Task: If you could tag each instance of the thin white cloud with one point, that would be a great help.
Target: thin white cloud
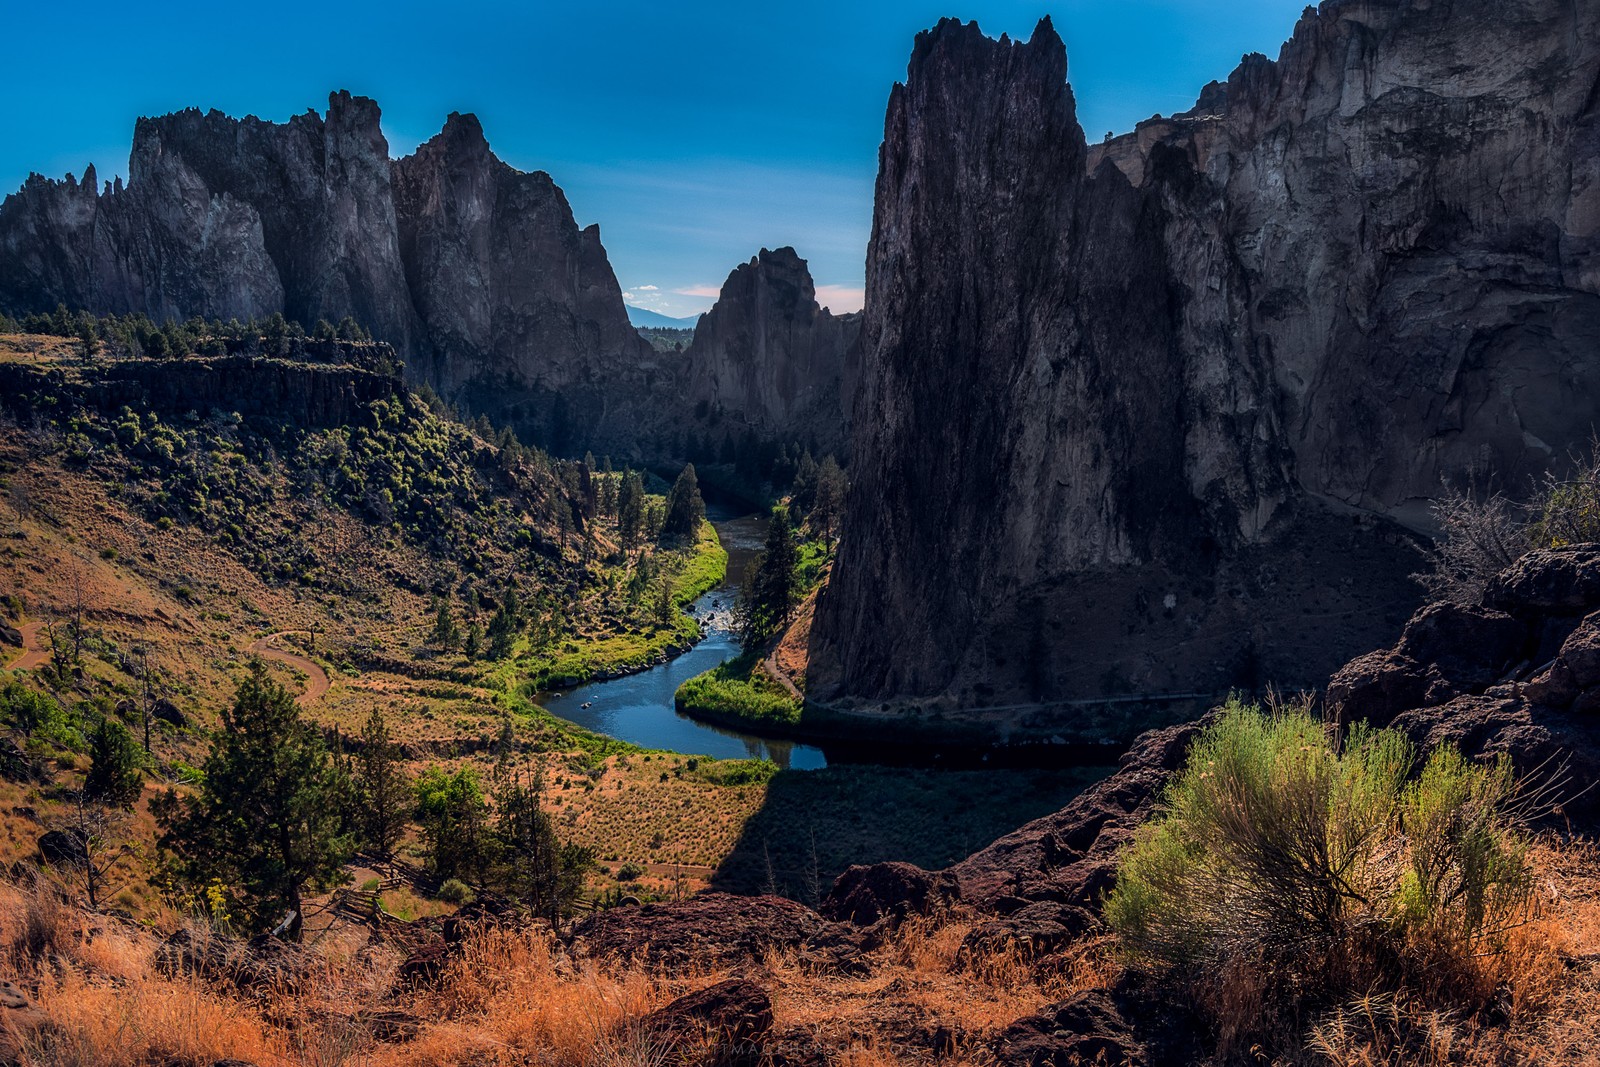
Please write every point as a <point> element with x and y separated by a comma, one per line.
<point>645,288</point>
<point>712,291</point>
<point>841,298</point>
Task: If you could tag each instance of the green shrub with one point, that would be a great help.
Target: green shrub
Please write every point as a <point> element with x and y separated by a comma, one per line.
<point>455,891</point>
<point>1329,869</point>
<point>630,872</point>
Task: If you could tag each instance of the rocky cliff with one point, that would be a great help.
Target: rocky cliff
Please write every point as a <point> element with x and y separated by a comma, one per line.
<point>1148,417</point>
<point>477,273</point>
<point>773,359</point>
<point>519,306</point>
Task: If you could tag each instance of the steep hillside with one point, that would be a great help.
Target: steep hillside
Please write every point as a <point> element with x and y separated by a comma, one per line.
<point>1142,418</point>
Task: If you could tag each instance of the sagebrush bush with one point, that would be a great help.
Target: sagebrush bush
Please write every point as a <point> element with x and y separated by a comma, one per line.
<point>1325,866</point>
<point>455,891</point>
<point>1481,532</point>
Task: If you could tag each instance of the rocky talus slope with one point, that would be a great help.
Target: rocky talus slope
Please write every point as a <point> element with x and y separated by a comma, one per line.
<point>1153,416</point>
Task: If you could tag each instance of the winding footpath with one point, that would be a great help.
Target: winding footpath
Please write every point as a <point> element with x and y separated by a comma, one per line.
<point>316,677</point>
<point>33,657</point>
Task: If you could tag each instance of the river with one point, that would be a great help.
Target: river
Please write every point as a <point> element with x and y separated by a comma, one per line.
<point>639,708</point>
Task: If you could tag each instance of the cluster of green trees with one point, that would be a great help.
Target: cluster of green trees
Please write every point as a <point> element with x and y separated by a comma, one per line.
<point>278,813</point>
<point>541,618</point>
<point>817,496</point>
<point>139,335</point>
<point>396,465</point>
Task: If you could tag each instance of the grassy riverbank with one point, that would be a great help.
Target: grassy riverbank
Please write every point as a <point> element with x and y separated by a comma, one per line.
<point>623,648</point>
<point>739,691</point>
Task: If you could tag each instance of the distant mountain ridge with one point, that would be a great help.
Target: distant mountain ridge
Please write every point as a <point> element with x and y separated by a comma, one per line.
<point>645,317</point>
<point>477,274</point>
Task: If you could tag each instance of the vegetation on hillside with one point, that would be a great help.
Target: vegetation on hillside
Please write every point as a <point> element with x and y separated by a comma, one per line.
<point>789,568</point>
<point>740,690</point>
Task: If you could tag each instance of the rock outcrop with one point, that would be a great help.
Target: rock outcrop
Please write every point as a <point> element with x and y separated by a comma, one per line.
<point>768,357</point>
<point>519,307</point>
<point>306,392</point>
<point>710,927</point>
<point>1151,416</point>
<point>1517,675</point>
<point>475,272</point>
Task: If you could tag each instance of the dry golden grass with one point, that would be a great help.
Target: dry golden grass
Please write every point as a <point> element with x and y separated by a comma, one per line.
<point>516,998</point>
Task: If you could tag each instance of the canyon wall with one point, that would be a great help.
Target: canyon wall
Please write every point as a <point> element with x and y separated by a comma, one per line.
<point>1152,416</point>
<point>768,357</point>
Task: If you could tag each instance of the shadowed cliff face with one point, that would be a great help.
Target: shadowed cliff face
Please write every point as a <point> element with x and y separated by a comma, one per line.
<point>1112,397</point>
<point>771,356</point>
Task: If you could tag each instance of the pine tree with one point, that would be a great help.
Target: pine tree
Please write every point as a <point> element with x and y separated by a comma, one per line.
<point>685,509</point>
<point>114,777</point>
<point>265,821</point>
<point>803,497</point>
<point>531,863</point>
<point>382,792</point>
<point>828,498</point>
<point>766,599</point>
<point>453,814</point>
<point>630,509</point>
<point>445,634</point>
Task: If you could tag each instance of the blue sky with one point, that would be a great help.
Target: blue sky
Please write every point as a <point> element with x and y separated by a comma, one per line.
<point>694,133</point>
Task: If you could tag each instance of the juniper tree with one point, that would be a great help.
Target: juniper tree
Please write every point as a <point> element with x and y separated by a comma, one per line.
<point>114,777</point>
<point>445,634</point>
<point>265,821</point>
<point>453,814</point>
<point>382,793</point>
<point>630,509</point>
<point>766,599</point>
<point>685,509</point>
<point>531,862</point>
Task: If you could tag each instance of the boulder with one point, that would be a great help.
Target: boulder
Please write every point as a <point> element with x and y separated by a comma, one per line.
<point>168,712</point>
<point>723,1024</point>
<point>1068,859</point>
<point>1036,930</point>
<point>1470,646</point>
<point>1555,581</point>
<point>1087,1028</point>
<point>65,847</point>
<point>709,929</point>
<point>10,635</point>
<point>424,965</point>
<point>865,894</point>
<point>1517,675</point>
